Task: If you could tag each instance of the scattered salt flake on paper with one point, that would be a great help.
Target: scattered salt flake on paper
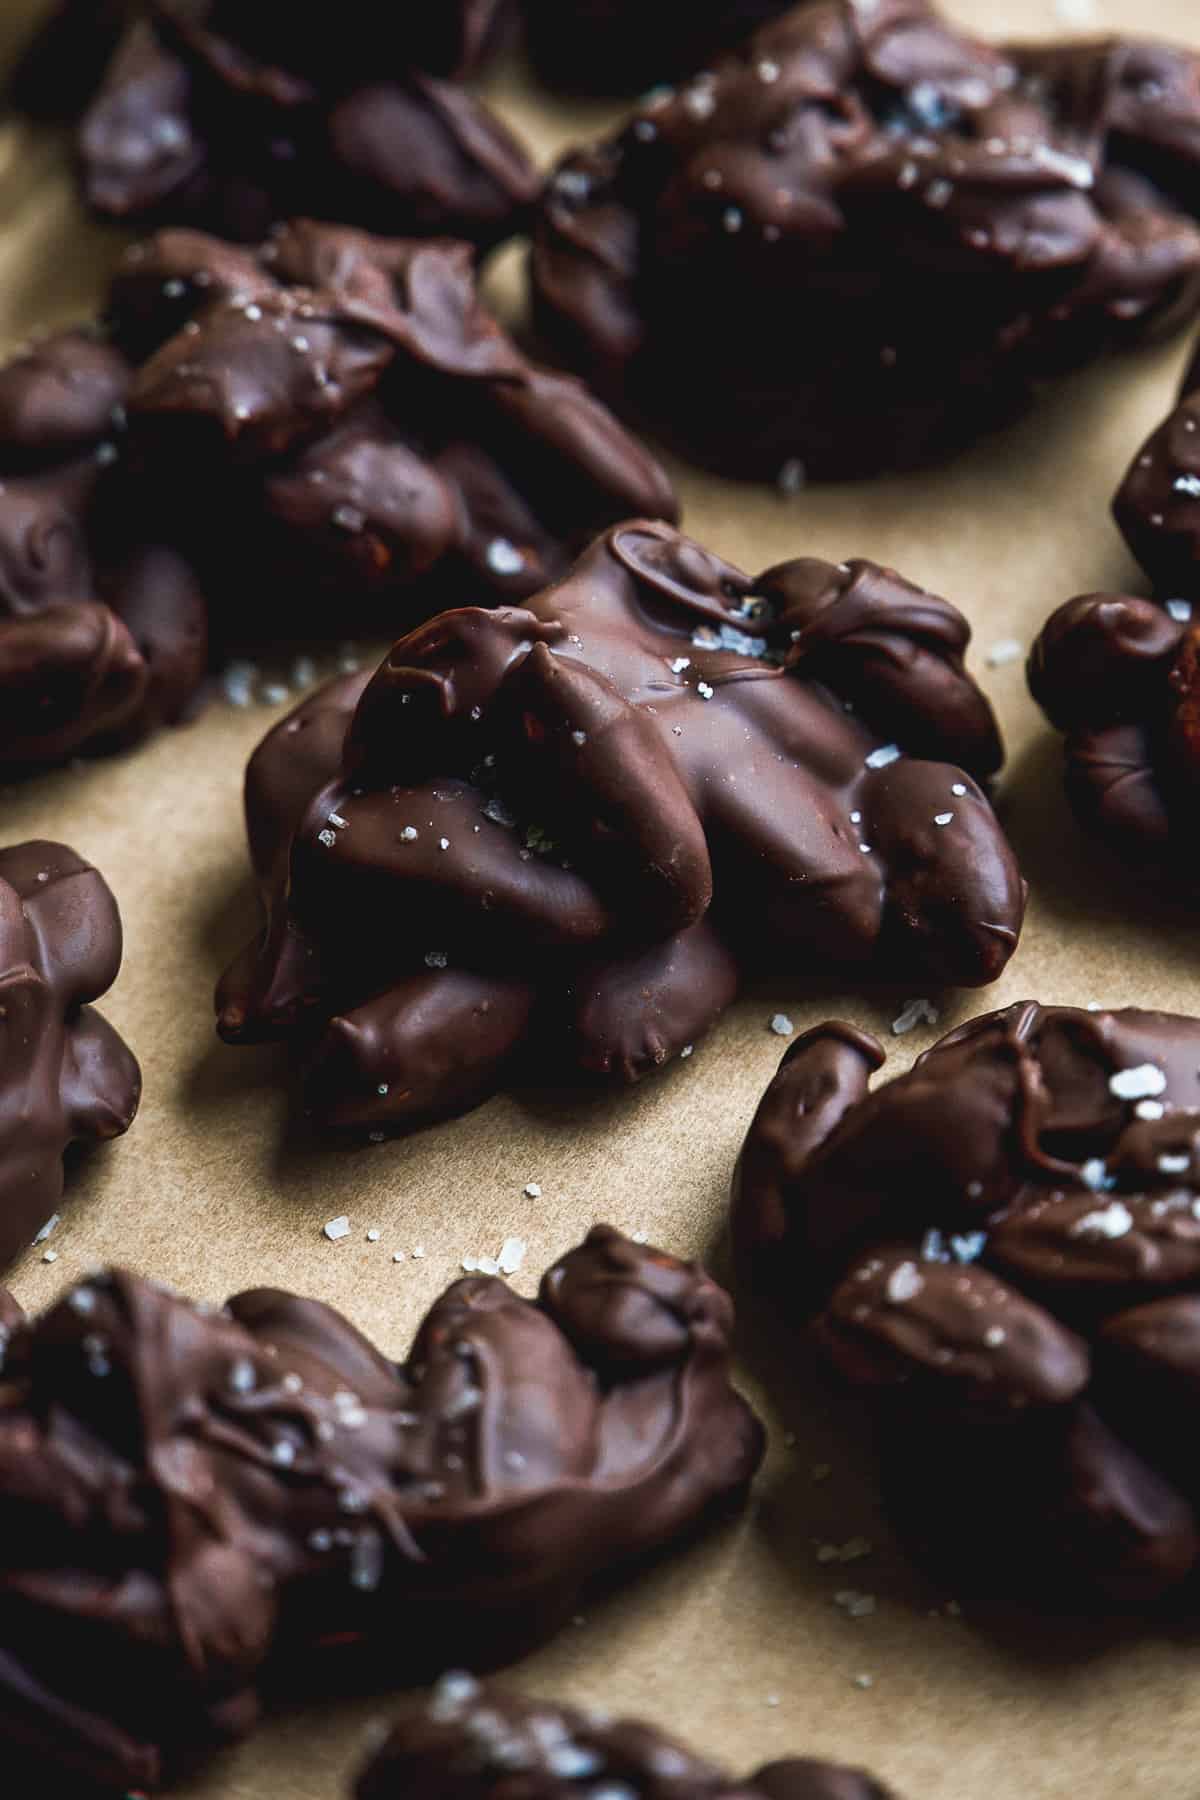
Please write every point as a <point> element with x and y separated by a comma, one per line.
<point>864,1681</point>
<point>50,1256</point>
<point>47,1228</point>
<point>914,1013</point>
<point>639,1237</point>
<point>781,1025</point>
<point>398,1256</point>
<point>1005,650</point>
<point>512,1255</point>
<point>372,1236</point>
<point>532,1191</point>
<point>337,1228</point>
<point>854,1604</point>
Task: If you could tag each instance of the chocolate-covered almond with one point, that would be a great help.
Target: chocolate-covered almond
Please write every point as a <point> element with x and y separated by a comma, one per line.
<point>1001,1247</point>
<point>365,432</point>
<point>65,1075</point>
<point>203,1499</point>
<point>593,812</point>
<point>901,229</point>
<point>232,116</point>
<point>471,1741</point>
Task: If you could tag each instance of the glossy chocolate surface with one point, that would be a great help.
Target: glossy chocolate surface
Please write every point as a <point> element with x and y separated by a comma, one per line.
<point>1002,1249</point>
<point>593,812</point>
<point>310,439</point>
<point>468,1741</point>
<point>229,116</point>
<point>200,1502</point>
<point>65,1075</point>
<point>896,230</point>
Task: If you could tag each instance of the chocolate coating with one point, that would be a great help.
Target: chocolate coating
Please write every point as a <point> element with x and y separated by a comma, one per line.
<point>200,1501</point>
<point>1001,1248</point>
<point>897,231</point>
<point>65,1076</point>
<point>362,429</point>
<point>189,115</point>
<point>1118,676</point>
<point>594,811</point>
<point>469,1741</point>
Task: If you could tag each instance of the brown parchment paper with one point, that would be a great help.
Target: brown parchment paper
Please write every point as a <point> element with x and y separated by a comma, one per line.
<point>737,1642</point>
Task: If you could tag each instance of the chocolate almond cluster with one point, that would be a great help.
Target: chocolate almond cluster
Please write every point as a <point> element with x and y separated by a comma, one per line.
<point>1120,677</point>
<point>295,441</point>
<point>896,230</point>
<point>230,115</point>
<point>561,831</point>
<point>470,1741</point>
<point>199,1502</point>
<point>65,1075</point>
<point>1002,1248</point>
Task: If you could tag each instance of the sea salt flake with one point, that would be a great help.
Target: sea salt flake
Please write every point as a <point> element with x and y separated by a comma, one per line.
<point>968,1246</point>
<point>781,1025</point>
<point>792,477</point>
<point>994,1336</point>
<point>1005,650</point>
<point>503,557</point>
<point>1188,485</point>
<point>337,1228</point>
<point>856,1605</point>
<point>47,1228</point>
<point>1137,1083</point>
<point>886,753</point>
<point>904,1283</point>
<point>512,1255</point>
<point>1174,1165</point>
<point>1112,1221</point>
<point>942,818</point>
<point>1149,1109</point>
<point>680,664</point>
<point>1180,610</point>
<point>532,1191</point>
<point>914,1013</point>
<point>704,690</point>
<point>436,959</point>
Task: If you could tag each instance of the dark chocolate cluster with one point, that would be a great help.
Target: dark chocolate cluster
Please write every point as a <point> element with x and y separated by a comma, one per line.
<point>1002,1247</point>
<point>65,1076</point>
<point>199,1502</point>
<point>1120,677</point>
<point>232,114</point>
<point>297,441</point>
<point>563,830</point>
<point>468,1741</point>
<point>859,239</point>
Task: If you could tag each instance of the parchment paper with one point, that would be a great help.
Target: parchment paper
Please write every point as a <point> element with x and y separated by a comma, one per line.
<point>736,1643</point>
